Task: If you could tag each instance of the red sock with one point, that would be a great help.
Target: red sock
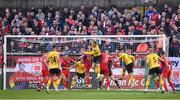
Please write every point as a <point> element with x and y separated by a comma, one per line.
<point>108,83</point>
<point>157,84</point>
<point>165,87</point>
<point>39,86</point>
<point>88,80</point>
<point>172,85</point>
<point>45,80</point>
<point>65,84</point>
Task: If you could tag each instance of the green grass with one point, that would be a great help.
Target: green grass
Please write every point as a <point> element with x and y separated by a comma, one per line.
<point>85,94</point>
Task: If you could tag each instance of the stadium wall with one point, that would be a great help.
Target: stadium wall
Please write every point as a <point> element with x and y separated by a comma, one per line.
<point>77,3</point>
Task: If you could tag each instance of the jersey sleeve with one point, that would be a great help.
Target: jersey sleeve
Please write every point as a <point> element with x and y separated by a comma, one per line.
<point>89,52</point>
<point>133,58</point>
<point>121,55</point>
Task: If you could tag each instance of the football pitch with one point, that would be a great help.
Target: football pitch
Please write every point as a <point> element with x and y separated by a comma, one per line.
<point>86,94</point>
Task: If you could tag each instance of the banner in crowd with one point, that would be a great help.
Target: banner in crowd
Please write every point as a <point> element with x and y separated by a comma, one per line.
<point>27,73</point>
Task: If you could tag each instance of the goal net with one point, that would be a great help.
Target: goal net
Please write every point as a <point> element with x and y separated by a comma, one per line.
<point>23,54</point>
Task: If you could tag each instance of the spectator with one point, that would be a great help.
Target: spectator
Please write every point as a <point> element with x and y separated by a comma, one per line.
<point>95,21</point>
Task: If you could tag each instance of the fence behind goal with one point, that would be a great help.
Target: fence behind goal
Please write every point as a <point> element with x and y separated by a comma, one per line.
<point>22,57</point>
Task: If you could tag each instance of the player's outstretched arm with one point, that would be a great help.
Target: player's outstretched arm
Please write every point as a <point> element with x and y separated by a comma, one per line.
<point>88,52</point>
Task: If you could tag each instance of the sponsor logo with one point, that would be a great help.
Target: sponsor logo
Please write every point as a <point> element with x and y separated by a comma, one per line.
<point>175,63</point>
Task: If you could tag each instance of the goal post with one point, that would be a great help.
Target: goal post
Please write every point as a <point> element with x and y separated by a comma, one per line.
<point>29,49</point>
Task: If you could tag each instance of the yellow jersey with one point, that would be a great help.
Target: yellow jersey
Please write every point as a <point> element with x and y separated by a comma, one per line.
<point>153,60</point>
<point>95,51</point>
<point>53,59</point>
<point>132,58</point>
<point>80,68</point>
<point>126,58</point>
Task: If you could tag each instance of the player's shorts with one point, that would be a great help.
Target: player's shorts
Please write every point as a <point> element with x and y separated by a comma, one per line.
<point>45,73</point>
<point>97,59</point>
<point>129,68</point>
<point>54,71</point>
<point>105,71</point>
<point>153,71</point>
<point>81,75</point>
<point>87,69</point>
<point>166,74</point>
<point>66,73</point>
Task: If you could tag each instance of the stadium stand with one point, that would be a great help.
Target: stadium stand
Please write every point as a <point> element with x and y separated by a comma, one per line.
<point>51,21</point>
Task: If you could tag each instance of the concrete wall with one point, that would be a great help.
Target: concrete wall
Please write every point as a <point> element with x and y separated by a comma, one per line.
<point>77,3</point>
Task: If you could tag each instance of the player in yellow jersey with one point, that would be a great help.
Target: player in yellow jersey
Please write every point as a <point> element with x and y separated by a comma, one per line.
<point>153,61</point>
<point>80,71</point>
<point>96,54</point>
<point>129,61</point>
<point>54,70</point>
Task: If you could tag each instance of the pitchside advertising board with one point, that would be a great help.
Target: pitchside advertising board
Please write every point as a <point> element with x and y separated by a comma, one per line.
<point>27,74</point>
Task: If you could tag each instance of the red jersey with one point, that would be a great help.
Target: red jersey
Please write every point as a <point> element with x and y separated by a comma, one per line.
<point>155,17</point>
<point>116,60</point>
<point>66,63</point>
<point>87,61</point>
<point>43,60</point>
<point>165,64</point>
<point>105,61</point>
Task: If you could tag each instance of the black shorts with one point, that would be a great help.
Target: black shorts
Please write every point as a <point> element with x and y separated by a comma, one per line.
<point>80,75</point>
<point>129,68</point>
<point>54,71</point>
<point>153,71</point>
<point>97,59</point>
<point>109,67</point>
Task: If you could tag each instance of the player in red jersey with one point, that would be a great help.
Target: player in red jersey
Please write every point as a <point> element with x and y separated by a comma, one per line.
<point>87,64</point>
<point>104,69</point>
<point>45,71</point>
<point>106,66</point>
<point>66,64</point>
<point>166,67</point>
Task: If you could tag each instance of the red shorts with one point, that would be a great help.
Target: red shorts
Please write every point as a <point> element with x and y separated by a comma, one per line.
<point>87,69</point>
<point>45,71</point>
<point>104,71</point>
<point>166,74</point>
<point>66,73</point>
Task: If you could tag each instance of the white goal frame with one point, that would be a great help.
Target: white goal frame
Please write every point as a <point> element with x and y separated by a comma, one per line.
<point>66,36</point>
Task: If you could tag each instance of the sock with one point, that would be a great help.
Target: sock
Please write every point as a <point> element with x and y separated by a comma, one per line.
<point>162,84</point>
<point>98,70</point>
<point>172,85</point>
<point>165,87</point>
<point>100,83</point>
<point>39,86</point>
<point>123,72</point>
<point>147,84</point>
<point>115,81</point>
<point>73,83</point>
<point>157,84</point>
<point>108,83</point>
<point>131,80</point>
<point>48,83</point>
<point>45,80</point>
<point>56,84</point>
<point>65,84</point>
<point>88,81</point>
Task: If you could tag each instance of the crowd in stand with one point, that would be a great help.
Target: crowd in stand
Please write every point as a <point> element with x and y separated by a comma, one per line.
<point>96,21</point>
